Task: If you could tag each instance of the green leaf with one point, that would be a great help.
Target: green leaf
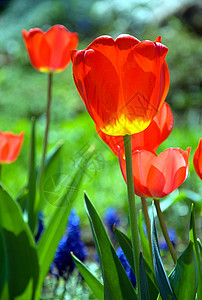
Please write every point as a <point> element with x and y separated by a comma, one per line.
<point>53,161</point>
<point>32,213</point>
<point>19,269</point>
<point>163,282</point>
<point>199,290</point>
<point>126,246</point>
<point>197,251</point>
<point>117,285</point>
<point>184,277</point>
<point>51,172</point>
<point>144,241</point>
<point>97,248</point>
<point>22,197</point>
<point>58,220</point>
<point>200,247</point>
<point>143,280</point>
<point>95,285</point>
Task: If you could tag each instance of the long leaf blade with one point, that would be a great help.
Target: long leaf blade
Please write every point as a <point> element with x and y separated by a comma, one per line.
<point>126,246</point>
<point>197,250</point>
<point>95,285</point>
<point>58,220</point>
<point>19,269</point>
<point>32,214</point>
<point>144,241</point>
<point>163,282</point>
<point>143,280</point>
<point>52,169</point>
<point>117,285</point>
<point>184,277</point>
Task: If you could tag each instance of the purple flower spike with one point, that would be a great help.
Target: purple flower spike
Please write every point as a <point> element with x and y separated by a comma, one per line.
<point>126,266</point>
<point>172,236</point>
<point>70,242</point>
<point>111,217</point>
<point>40,226</point>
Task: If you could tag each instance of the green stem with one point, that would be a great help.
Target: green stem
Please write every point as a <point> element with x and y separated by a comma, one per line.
<point>50,76</point>
<point>132,208</point>
<point>164,230</point>
<point>147,222</point>
<point>0,171</point>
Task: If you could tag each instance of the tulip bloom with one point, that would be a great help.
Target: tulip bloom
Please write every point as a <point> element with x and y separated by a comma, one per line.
<point>122,82</point>
<point>50,51</point>
<point>198,159</point>
<point>149,139</point>
<point>157,176</point>
<point>10,146</point>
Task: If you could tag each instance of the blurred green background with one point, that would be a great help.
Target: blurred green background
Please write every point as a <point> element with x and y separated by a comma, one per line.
<point>23,90</point>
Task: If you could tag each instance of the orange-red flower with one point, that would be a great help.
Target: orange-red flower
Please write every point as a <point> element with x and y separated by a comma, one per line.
<point>198,159</point>
<point>122,82</point>
<point>157,176</point>
<point>10,146</point>
<point>50,51</point>
<point>149,139</point>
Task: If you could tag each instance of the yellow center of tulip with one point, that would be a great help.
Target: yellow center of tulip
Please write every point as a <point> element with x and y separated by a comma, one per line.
<point>123,126</point>
<point>47,70</point>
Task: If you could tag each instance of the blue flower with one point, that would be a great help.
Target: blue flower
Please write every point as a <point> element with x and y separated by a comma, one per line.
<point>126,266</point>
<point>172,236</point>
<point>40,226</point>
<point>70,242</point>
<point>111,217</point>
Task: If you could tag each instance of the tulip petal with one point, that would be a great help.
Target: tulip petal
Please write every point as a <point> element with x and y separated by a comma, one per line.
<point>10,146</point>
<point>92,66</point>
<point>45,55</point>
<point>72,44</point>
<point>120,82</point>
<point>141,161</point>
<point>197,160</point>
<point>164,119</point>
<point>116,143</point>
<point>167,172</point>
<point>149,139</point>
<point>164,84</point>
<point>157,176</point>
<point>156,182</point>
<point>50,51</point>
<point>33,40</point>
<point>144,94</point>
<point>60,41</point>
<point>55,39</point>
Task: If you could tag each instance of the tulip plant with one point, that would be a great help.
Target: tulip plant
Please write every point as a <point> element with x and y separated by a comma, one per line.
<point>123,84</point>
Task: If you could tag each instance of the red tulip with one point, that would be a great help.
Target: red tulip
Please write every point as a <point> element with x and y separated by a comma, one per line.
<point>157,176</point>
<point>198,159</point>
<point>149,139</point>
<point>10,146</point>
<point>50,51</point>
<point>122,82</point>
